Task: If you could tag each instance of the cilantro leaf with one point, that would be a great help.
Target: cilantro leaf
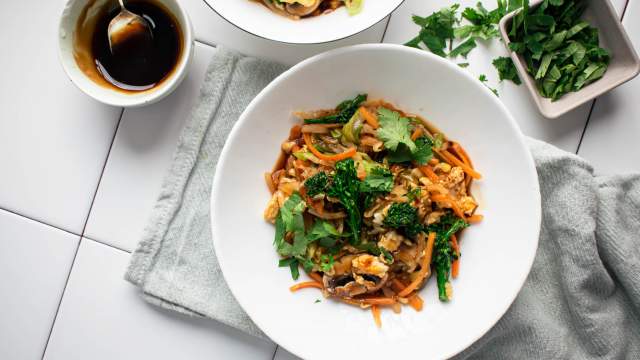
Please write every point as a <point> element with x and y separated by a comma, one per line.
<point>506,69</point>
<point>464,48</point>
<point>394,130</point>
<point>423,152</point>
<point>292,263</point>
<point>290,220</point>
<point>436,30</point>
<point>379,180</point>
<point>483,80</point>
<point>323,229</point>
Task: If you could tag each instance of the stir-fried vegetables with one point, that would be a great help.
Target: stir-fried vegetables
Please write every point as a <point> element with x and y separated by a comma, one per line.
<point>368,201</point>
<point>297,9</point>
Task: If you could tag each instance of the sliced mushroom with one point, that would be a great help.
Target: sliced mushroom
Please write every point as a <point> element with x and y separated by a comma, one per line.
<point>297,9</point>
<point>348,285</point>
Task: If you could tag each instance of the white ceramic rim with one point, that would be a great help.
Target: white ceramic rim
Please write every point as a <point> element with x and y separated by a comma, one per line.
<point>356,31</point>
<point>243,118</point>
<point>114,97</point>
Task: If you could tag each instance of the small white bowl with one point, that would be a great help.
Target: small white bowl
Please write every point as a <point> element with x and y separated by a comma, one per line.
<point>257,19</point>
<point>110,95</point>
<point>454,101</point>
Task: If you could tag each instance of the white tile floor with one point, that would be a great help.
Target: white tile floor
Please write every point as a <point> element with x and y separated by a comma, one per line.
<point>74,168</point>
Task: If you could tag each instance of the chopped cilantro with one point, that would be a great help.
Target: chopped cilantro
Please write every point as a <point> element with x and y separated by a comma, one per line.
<point>394,130</point>
<point>483,80</point>
<point>435,30</point>
<point>379,180</point>
<point>506,69</point>
<point>290,220</point>
<point>464,48</point>
<point>561,51</point>
<point>317,301</point>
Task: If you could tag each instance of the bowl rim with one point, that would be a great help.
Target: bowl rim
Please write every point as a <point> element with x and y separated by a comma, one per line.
<point>224,154</point>
<point>304,43</point>
<point>146,97</point>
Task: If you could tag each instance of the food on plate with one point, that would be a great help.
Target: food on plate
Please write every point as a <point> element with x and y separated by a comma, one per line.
<point>370,201</point>
<point>296,9</point>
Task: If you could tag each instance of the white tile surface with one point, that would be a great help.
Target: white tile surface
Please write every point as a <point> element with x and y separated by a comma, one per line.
<point>103,317</point>
<point>564,132</point>
<point>53,139</point>
<point>35,260</point>
<point>614,127</point>
<point>211,28</point>
<point>139,159</point>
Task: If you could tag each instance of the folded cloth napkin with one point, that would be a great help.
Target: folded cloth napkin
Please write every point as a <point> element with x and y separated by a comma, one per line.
<point>581,299</point>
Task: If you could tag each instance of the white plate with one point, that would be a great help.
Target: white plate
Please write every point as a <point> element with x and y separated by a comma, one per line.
<point>496,254</point>
<point>258,20</point>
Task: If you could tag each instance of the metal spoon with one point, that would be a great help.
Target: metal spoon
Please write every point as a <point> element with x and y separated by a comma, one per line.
<point>126,27</point>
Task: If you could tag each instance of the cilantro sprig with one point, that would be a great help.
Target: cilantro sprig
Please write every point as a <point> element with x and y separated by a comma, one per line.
<point>394,132</point>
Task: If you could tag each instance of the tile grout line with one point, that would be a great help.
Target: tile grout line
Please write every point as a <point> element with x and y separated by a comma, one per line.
<point>586,125</point>
<point>66,283</point>
<point>108,245</point>
<point>275,352</point>
<point>593,103</point>
<point>38,221</point>
<point>384,33</point>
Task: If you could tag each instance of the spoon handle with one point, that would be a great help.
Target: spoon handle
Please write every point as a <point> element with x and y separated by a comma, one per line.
<point>121,4</point>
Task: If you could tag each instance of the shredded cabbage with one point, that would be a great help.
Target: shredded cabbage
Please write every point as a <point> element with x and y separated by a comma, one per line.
<point>353,6</point>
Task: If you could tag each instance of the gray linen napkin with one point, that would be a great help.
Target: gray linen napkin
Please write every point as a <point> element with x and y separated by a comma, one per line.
<point>581,300</point>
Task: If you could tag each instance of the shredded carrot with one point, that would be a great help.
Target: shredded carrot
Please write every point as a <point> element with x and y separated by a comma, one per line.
<point>376,315</point>
<point>428,172</point>
<point>397,285</point>
<point>455,266</point>
<point>306,284</point>
<point>416,134</point>
<point>377,301</point>
<point>336,157</point>
<point>315,276</point>
<point>474,219</point>
<point>434,161</point>
<point>452,203</point>
<point>416,302</point>
<point>457,162</point>
<point>463,154</point>
<point>370,118</point>
<point>295,132</point>
<point>424,267</point>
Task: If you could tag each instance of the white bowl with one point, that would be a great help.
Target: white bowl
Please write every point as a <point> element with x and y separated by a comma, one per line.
<point>256,19</point>
<point>110,95</point>
<point>497,254</point>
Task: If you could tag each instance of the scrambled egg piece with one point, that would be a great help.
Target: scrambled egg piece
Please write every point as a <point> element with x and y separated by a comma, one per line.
<point>369,264</point>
